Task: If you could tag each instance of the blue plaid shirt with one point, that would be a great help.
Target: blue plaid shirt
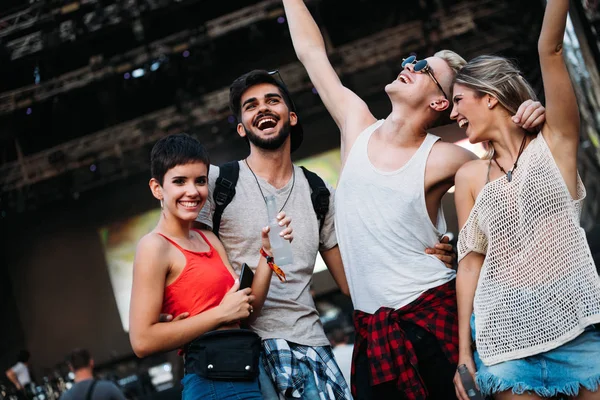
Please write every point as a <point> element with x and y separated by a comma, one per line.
<point>281,360</point>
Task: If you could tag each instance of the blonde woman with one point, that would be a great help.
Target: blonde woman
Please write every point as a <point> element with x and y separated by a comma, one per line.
<point>528,291</point>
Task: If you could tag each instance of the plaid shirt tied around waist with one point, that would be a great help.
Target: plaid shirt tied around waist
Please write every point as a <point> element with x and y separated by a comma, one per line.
<point>281,360</point>
<point>391,355</point>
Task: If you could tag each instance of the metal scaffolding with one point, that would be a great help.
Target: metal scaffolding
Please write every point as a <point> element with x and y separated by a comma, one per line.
<point>26,96</point>
<point>121,145</point>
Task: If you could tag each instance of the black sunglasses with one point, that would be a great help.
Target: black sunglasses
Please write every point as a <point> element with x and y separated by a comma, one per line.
<point>422,66</point>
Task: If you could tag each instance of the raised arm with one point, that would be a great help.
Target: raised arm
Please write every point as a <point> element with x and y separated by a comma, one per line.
<point>350,113</point>
<point>146,333</point>
<point>562,116</point>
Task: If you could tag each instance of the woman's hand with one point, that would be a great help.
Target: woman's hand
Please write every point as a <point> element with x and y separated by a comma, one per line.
<point>284,220</point>
<point>237,304</point>
<point>466,359</point>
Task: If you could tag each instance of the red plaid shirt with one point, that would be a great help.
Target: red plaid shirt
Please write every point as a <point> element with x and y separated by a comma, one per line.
<point>391,355</point>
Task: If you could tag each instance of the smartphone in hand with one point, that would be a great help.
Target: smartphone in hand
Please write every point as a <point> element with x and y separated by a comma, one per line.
<point>246,277</point>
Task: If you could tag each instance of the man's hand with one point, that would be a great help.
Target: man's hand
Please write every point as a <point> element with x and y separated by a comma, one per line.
<point>288,232</point>
<point>531,115</point>
<point>444,252</point>
<point>169,317</point>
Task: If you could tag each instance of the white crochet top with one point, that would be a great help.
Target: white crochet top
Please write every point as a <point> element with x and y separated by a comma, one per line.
<point>538,286</point>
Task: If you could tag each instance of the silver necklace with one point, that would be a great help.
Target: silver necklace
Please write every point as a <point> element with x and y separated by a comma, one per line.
<point>261,192</point>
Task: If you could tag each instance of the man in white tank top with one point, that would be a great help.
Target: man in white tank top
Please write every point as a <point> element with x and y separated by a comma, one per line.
<point>388,211</point>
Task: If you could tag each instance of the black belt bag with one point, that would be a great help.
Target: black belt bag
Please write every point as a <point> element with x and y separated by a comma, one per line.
<point>231,354</point>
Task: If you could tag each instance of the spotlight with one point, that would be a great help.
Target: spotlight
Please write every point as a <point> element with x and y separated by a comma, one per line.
<point>231,119</point>
<point>93,167</point>
<point>36,75</point>
<point>281,20</point>
<point>138,73</point>
<point>186,53</point>
<point>155,65</point>
<point>29,111</point>
<point>126,75</point>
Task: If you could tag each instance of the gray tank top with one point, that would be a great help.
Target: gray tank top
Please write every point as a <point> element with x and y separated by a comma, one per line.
<point>383,229</point>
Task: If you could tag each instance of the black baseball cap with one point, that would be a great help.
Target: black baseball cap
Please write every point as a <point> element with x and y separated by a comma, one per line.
<point>258,76</point>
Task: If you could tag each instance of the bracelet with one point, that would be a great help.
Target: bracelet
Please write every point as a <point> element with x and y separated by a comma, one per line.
<point>271,263</point>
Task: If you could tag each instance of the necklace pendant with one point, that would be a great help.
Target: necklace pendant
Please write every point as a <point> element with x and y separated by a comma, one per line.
<point>509,176</point>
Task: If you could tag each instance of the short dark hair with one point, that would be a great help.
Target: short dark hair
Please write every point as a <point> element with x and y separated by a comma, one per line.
<point>246,81</point>
<point>79,358</point>
<point>23,356</point>
<point>174,150</point>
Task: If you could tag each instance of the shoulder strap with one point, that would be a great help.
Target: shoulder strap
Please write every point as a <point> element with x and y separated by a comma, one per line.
<point>224,191</point>
<point>90,390</point>
<point>319,195</point>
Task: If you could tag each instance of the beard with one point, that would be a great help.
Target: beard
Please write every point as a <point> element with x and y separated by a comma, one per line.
<point>272,143</point>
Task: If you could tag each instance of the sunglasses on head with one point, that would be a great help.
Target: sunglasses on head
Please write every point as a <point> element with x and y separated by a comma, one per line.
<point>422,66</point>
<point>277,76</point>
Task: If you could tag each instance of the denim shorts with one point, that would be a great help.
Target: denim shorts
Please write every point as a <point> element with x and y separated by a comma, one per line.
<point>198,388</point>
<point>560,371</point>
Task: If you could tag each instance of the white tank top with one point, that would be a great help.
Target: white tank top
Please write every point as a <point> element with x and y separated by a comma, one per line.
<point>383,229</point>
<point>538,287</point>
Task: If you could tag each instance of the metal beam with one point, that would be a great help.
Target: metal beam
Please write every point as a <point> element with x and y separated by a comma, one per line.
<point>23,97</point>
<point>364,53</point>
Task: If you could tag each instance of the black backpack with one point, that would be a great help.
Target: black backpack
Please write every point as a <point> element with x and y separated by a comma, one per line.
<point>225,190</point>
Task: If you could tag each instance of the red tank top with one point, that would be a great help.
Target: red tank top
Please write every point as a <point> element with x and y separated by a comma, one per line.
<point>201,285</point>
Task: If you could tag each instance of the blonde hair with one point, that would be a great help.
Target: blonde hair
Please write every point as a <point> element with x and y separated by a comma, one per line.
<point>455,62</point>
<point>499,78</point>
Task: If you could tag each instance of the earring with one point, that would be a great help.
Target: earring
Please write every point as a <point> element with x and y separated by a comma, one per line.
<point>162,204</point>
<point>489,105</point>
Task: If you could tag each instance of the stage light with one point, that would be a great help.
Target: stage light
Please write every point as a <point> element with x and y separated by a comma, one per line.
<point>186,53</point>
<point>138,73</point>
<point>126,75</point>
<point>36,75</point>
<point>314,90</point>
<point>281,20</point>
<point>231,119</point>
<point>155,65</point>
<point>29,111</point>
<point>93,167</point>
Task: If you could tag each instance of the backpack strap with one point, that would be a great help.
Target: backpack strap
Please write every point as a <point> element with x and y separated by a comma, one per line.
<point>319,195</point>
<point>224,191</point>
<point>90,390</point>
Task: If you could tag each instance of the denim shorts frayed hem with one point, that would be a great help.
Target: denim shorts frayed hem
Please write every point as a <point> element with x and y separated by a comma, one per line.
<point>560,371</point>
<point>490,384</point>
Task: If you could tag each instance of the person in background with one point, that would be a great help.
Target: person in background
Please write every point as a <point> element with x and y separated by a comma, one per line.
<point>342,350</point>
<point>86,387</point>
<point>18,374</point>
